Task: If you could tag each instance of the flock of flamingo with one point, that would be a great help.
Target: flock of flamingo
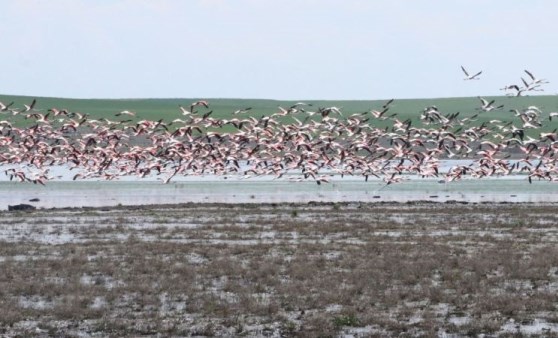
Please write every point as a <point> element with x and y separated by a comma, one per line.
<point>296,143</point>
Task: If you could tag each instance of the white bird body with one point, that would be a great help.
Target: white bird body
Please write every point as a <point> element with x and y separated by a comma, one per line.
<point>470,77</point>
<point>534,79</point>
<point>488,106</point>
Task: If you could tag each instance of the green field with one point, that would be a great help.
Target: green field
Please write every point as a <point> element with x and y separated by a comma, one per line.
<point>167,109</point>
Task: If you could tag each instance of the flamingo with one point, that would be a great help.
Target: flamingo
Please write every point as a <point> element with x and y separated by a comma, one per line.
<point>470,77</point>
<point>534,79</point>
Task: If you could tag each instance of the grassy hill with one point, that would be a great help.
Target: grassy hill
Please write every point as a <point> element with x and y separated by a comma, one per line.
<point>155,109</point>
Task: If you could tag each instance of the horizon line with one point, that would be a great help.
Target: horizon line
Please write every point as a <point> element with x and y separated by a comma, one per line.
<point>263,99</point>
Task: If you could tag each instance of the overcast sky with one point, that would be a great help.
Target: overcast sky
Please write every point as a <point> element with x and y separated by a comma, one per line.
<point>278,49</point>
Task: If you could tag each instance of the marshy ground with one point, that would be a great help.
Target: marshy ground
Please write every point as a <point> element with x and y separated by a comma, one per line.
<point>307,270</point>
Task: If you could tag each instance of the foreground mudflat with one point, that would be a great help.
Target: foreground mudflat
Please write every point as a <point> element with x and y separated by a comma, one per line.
<point>281,270</point>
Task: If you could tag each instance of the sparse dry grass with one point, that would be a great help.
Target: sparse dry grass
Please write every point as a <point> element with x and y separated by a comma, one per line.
<point>280,270</point>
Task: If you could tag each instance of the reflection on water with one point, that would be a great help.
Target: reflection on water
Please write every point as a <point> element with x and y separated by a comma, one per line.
<point>267,190</point>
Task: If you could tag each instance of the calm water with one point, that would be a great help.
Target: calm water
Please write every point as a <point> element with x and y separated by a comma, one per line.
<point>267,190</point>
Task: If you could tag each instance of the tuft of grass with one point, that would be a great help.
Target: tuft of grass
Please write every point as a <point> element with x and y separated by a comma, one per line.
<point>346,320</point>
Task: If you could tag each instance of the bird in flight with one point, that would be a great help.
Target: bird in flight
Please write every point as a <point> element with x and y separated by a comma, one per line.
<point>488,106</point>
<point>534,79</point>
<point>470,77</point>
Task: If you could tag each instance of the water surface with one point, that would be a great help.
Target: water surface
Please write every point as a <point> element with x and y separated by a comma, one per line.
<point>269,190</point>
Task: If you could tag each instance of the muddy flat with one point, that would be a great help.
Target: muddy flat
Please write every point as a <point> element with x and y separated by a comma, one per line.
<point>281,270</point>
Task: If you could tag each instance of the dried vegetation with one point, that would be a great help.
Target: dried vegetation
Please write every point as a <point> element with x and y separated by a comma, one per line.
<point>315,270</point>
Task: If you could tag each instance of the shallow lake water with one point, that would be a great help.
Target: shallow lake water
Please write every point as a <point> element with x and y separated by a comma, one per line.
<point>62,193</point>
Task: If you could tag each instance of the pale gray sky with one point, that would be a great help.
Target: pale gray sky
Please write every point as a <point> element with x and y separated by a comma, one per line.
<point>279,49</point>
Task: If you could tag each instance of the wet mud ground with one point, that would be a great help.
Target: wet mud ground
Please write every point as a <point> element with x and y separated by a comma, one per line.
<point>281,270</point>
